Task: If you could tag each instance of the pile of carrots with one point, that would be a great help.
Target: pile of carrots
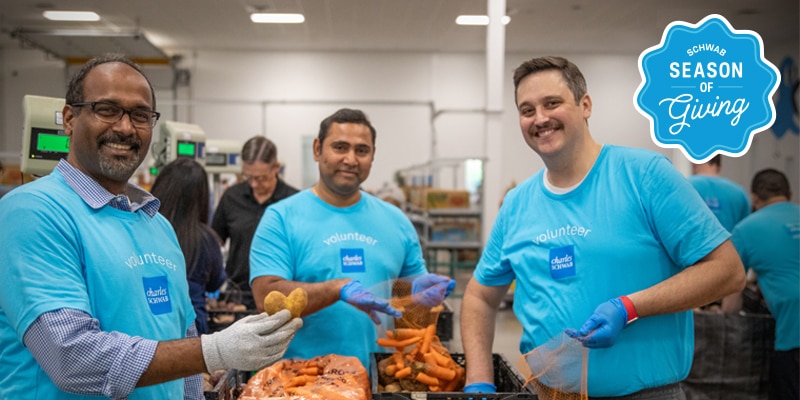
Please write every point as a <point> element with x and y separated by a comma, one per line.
<point>419,356</point>
<point>330,377</point>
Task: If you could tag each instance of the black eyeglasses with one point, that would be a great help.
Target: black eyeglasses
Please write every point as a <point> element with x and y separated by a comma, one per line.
<point>111,113</point>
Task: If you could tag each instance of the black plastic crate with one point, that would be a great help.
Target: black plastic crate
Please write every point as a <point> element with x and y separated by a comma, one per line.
<point>229,387</point>
<point>444,325</point>
<point>510,384</point>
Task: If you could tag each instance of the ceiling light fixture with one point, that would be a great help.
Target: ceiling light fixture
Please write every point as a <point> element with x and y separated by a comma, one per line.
<point>276,18</point>
<point>478,20</point>
<point>71,15</point>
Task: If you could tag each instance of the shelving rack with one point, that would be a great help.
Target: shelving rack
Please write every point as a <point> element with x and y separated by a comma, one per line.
<point>448,249</point>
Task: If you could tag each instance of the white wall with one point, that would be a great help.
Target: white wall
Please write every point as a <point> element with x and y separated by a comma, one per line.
<point>24,72</point>
<point>284,95</point>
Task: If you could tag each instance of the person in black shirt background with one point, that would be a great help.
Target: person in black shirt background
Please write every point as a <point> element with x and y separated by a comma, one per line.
<point>242,205</point>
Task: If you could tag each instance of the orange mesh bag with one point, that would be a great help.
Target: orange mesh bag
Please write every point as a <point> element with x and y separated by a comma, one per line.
<point>419,362</point>
<point>557,370</point>
<point>330,377</point>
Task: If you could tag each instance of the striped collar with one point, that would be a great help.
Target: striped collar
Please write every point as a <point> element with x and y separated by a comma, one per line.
<point>97,196</point>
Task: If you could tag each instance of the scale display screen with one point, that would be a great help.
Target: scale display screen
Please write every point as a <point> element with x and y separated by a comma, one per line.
<point>216,159</point>
<point>186,148</point>
<point>48,144</point>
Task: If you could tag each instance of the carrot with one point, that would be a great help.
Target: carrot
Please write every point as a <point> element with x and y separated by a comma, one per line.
<point>405,333</point>
<point>441,359</point>
<point>309,371</point>
<point>390,334</point>
<point>451,385</point>
<point>436,345</point>
<point>402,373</point>
<point>438,372</point>
<point>398,360</point>
<point>386,342</point>
<point>390,369</point>
<point>300,380</point>
<point>434,388</point>
<point>430,332</point>
<point>426,379</point>
<point>430,358</point>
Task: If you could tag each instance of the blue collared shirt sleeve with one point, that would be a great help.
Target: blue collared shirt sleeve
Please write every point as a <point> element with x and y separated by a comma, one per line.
<point>80,358</point>
<point>193,385</point>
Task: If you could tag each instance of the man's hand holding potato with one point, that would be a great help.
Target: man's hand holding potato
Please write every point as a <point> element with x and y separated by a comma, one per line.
<point>251,343</point>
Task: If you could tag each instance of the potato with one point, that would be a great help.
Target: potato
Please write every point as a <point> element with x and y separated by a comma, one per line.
<point>295,303</point>
<point>274,302</point>
<point>393,387</point>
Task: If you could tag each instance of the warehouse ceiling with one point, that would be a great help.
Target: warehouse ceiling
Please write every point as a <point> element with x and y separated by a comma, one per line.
<point>156,29</point>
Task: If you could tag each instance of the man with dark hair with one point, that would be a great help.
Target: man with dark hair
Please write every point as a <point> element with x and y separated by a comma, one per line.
<point>337,241</point>
<point>727,200</point>
<point>95,299</point>
<point>768,241</point>
<point>242,205</point>
<point>603,236</point>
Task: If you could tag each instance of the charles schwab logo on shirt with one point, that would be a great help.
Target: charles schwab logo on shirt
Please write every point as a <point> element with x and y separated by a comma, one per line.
<point>706,88</point>
<point>352,260</point>
<point>562,262</point>
<point>156,291</point>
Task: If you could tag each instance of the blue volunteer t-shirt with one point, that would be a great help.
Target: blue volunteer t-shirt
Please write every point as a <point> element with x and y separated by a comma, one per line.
<point>633,222</point>
<point>304,239</point>
<point>768,241</point>
<point>125,269</point>
<point>726,199</point>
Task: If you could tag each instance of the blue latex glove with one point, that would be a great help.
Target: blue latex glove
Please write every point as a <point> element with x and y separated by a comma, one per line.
<point>361,298</point>
<point>430,290</point>
<point>602,328</point>
<point>480,387</point>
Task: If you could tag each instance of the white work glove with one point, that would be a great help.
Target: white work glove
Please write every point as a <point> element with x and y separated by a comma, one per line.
<point>251,343</point>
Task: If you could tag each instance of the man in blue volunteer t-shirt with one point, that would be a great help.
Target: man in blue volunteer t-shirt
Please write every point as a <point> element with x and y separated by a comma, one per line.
<point>727,200</point>
<point>343,245</point>
<point>603,236</point>
<point>95,299</point>
<point>768,242</point>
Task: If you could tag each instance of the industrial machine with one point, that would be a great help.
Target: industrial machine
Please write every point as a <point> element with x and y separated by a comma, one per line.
<point>44,142</point>
<point>223,164</point>
<point>223,156</point>
<point>178,139</point>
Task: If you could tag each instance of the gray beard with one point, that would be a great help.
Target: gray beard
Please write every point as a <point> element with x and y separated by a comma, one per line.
<point>120,170</point>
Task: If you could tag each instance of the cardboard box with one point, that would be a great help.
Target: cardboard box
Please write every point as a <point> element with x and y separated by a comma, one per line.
<point>442,198</point>
<point>453,231</point>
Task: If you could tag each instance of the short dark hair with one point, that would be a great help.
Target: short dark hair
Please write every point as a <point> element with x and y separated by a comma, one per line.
<point>569,71</point>
<point>259,148</point>
<point>769,183</point>
<point>75,88</point>
<point>344,116</point>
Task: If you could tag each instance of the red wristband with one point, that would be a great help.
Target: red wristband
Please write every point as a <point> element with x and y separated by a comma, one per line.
<point>630,309</point>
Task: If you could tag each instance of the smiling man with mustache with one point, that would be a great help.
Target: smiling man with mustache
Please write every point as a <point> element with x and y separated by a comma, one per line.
<point>602,236</point>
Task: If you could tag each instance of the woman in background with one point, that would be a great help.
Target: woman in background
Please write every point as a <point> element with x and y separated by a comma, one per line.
<point>182,187</point>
